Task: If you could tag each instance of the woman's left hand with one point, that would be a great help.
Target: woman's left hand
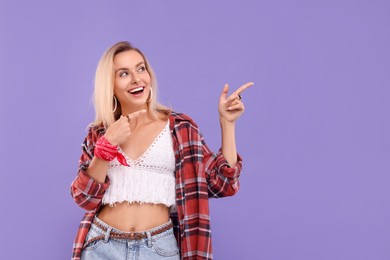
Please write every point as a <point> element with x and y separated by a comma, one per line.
<point>231,107</point>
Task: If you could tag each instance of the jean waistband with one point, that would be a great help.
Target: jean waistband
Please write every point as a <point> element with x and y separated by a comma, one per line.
<point>119,234</point>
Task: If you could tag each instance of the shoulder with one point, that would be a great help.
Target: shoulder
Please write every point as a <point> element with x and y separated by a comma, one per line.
<point>95,131</point>
<point>180,118</point>
<point>185,127</point>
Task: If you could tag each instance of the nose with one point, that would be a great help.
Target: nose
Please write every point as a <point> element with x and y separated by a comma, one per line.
<point>135,79</point>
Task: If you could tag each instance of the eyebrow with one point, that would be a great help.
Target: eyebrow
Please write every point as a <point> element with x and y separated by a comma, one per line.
<point>139,63</point>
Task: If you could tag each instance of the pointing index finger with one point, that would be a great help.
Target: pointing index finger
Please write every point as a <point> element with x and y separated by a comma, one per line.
<point>136,114</point>
<point>235,94</point>
<point>243,87</point>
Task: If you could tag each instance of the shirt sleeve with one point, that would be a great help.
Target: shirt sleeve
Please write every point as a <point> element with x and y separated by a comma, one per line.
<point>86,192</point>
<point>222,179</point>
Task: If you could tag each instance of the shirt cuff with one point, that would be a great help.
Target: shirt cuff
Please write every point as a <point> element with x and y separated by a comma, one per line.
<point>224,167</point>
<point>89,186</point>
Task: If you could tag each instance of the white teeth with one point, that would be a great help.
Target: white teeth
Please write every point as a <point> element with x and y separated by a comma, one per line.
<point>136,89</point>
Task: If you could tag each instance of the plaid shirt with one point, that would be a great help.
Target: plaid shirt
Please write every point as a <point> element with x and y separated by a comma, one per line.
<point>200,174</point>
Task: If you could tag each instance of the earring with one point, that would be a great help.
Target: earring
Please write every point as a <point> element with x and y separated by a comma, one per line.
<point>116,105</point>
<point>150,95</point>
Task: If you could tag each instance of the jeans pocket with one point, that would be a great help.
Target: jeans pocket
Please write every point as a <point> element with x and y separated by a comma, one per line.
<point>166,245</point>
<point>93,240</point>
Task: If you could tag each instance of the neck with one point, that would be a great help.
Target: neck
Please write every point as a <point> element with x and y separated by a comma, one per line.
<point>129,110</point>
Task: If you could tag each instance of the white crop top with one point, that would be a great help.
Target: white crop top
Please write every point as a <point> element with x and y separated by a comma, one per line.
<point>149,179</point>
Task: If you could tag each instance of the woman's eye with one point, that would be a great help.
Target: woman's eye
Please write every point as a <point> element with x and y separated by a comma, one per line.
<point>141,69</point>
<point>123,74</point>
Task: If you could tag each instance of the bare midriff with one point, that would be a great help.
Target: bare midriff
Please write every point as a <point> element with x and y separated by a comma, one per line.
<point>134,217</point>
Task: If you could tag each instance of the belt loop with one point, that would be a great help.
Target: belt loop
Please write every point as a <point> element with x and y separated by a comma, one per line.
<point>106,237</point>
<point>149,235</point>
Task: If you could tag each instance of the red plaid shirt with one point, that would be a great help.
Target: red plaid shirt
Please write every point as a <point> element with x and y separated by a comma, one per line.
<point>200,174</point>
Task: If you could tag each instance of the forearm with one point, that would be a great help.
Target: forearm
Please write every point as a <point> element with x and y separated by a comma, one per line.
<point>91,182</point>
<point>97,170</point>
<point>229,150</point>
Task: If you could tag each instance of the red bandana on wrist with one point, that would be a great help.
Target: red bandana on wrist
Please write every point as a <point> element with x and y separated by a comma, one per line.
<point>108,152</point>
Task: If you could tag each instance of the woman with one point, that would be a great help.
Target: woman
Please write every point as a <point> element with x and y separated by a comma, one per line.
<point>145,172</point>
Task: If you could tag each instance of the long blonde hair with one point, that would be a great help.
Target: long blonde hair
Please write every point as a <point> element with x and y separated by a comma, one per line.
<point>104,88</point>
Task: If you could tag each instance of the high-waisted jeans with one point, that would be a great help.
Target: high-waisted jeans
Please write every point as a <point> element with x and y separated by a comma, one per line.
<point>159,246</point>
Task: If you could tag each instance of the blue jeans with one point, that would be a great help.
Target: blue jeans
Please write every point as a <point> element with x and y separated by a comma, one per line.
<point>160,246</point>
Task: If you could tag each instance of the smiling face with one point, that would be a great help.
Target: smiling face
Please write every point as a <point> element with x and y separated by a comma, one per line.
<point>132,81</point>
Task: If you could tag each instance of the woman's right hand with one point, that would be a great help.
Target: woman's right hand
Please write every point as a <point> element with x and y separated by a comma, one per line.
<point>119,131</point>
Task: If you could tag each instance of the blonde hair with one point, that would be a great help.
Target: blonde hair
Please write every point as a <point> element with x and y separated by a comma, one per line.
<point>104,88</point>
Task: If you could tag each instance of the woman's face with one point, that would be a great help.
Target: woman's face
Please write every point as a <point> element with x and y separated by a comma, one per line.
<point>132,80</point>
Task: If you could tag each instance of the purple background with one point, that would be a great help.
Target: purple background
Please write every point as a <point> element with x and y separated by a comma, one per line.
<point>314,136</point>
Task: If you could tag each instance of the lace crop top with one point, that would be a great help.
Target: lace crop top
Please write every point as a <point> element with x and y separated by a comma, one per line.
<point>149,179</point>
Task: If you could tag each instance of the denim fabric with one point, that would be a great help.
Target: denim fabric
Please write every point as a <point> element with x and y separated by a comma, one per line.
<point>160,246</point>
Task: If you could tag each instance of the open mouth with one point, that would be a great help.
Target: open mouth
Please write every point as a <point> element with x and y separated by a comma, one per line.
<point>136,91</point>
